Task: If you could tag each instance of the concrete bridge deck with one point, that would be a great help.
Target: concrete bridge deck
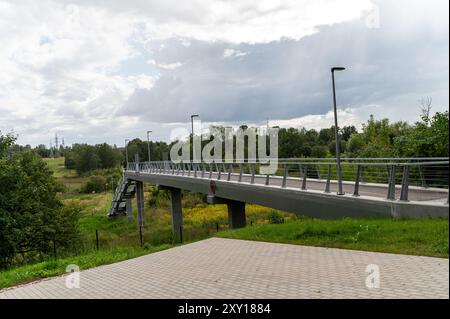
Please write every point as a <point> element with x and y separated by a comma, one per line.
<point>312,201</point>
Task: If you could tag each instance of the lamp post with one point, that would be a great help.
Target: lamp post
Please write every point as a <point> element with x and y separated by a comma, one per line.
<point>336,133</point>
<point>192,132</point>
<point>126,152</point>
<point>148,144</point>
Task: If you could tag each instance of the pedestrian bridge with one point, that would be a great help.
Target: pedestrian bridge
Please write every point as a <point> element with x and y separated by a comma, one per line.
<point>385,187</point>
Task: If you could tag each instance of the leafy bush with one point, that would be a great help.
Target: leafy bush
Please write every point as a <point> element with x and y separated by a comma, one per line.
<point>158,197</point>
<point>69,160</point>
<point>95,184</point>
<point>275,217</point>
<point>191,200</point>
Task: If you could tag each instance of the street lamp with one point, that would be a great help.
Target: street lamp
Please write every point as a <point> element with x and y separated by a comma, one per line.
<point>126,152</point>
<point>148,144</point>
<point>336,132</point>
<point>192,131</point>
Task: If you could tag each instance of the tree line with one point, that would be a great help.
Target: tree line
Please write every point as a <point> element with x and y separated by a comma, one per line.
<point>428,137</point>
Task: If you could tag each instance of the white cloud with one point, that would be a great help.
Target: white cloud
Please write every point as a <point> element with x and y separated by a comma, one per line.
<point>165,66</point>
<point>236,21</point>
<point>346,117</point>
<point>98,71</point>
<point>227,53</point>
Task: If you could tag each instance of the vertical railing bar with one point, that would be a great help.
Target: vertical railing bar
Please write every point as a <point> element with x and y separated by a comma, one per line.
<point>219,172</point>
<point>285,173</point>
<point>391,187</point>
<point>252,181</point>
<point>327,185</point>
<point>358,173</point>
<point>405,184</point>
<point>305,175</point>
<point>241,171</point>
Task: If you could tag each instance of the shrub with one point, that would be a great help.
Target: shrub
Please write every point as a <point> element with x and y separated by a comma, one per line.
<point>275,217</point>
<point>95,184</point>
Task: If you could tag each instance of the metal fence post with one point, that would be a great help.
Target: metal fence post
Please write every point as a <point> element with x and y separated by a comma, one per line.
<point>285,174</point>
<point>96,238</point>
<point>305,174</point>
<point>327,185</point>
<point>405,184</point>
<point>210,170</point>
<point>252,181</point>
<point>219,172</point>
<point>358,173</point>
<point>241,171</point>
<point>391,187</point>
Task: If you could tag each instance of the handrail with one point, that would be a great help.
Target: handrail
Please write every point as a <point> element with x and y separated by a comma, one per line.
<point>429,172</point>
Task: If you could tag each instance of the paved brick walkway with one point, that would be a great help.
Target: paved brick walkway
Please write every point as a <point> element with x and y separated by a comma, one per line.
<point>227,268</point>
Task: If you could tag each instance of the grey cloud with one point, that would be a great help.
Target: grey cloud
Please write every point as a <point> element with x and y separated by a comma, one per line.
<point>286,79</point>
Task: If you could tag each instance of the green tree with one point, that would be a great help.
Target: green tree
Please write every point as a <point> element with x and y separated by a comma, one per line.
<point>32,218</point>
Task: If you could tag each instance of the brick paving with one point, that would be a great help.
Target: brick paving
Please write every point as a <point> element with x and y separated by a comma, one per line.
<point>228,268</point>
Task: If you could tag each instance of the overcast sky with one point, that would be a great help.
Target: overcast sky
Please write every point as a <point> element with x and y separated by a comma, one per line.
<point>115,69</point>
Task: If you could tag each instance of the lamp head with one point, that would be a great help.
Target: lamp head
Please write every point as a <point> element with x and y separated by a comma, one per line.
<point>337,68</point>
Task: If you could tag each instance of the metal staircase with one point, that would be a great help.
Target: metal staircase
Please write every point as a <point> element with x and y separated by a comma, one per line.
<point>126,189</point>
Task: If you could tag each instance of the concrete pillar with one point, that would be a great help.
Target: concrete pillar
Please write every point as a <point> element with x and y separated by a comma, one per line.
<point>177,212</point>
<point>236,213</point>
<point>129,210</point>
<point>140,202</point>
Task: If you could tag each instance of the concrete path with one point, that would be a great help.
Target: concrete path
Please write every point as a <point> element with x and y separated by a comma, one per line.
<point>227,268</point>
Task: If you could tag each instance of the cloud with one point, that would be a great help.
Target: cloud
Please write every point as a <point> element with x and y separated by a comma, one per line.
<point>236,21</point>
<point>391,66</point>
<point>228,53</point>
<point>105,70</point>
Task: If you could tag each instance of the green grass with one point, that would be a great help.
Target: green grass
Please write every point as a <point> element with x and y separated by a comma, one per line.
<point>67,177</point>
<point>425,237</point>
<point>49,268</point>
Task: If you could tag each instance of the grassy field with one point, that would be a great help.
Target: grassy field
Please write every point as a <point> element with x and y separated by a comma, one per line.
<point>119,239</point>
<point>426,237</point>
<point>57,267</point>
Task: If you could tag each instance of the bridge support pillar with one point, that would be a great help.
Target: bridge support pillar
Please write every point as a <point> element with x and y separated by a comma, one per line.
<point>236,210</point>
<point>129,210</point>
<point>236,214</point>
<point>140,203</point>
<point>177,211</point>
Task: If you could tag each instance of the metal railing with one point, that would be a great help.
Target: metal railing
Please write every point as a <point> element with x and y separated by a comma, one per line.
<point>395,174</point>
